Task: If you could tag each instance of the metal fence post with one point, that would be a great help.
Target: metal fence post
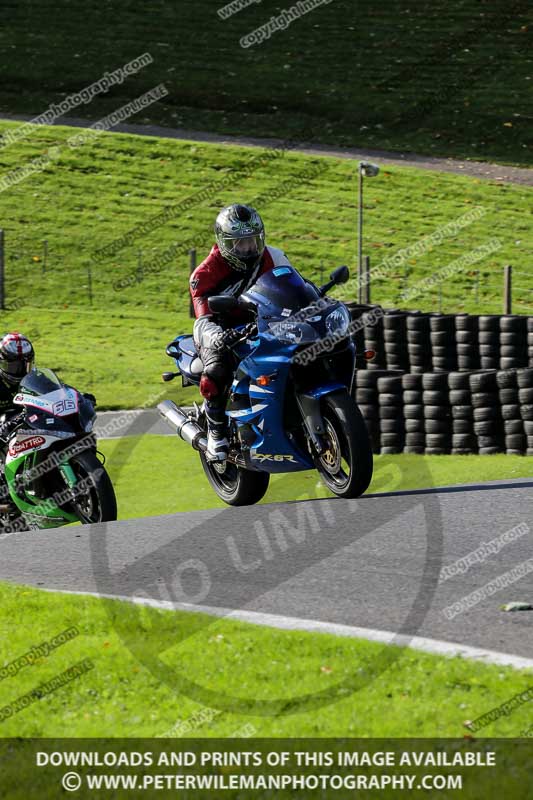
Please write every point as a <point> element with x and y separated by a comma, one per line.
<point>366,280</point>
<point>360,238</point>
<point>192,267</point>
<point>507,289</point>
<point>2,272</point>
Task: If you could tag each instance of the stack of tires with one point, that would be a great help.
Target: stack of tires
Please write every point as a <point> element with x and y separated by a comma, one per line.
<point>366,397</point>
<point>416,342</point>
<point>467,343</point>
<point>513,426</point>
<point>443,347</point>
<point>489,342</point>
<point>464,440</point>
<point>513,342</point>
<point>488,421</point>
<point>525,397</point>
<point>358,338</point>
<point>373,339</point>
<point>357,310</point>
<point>437,414</point>
<point>395,336</point>
<point>446,383</point>
<point>419,343</point>
<point>391,419</point>
<point>413,409</point>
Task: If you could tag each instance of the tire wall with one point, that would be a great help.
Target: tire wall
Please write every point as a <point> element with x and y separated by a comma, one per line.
<point>442,384</point>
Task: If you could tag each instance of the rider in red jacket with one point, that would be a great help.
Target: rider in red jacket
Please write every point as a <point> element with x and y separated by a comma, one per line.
<point>233,265</point>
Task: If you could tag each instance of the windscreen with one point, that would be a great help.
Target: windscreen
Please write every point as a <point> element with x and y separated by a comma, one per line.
<point>285,288</point>
<point>40,381</point>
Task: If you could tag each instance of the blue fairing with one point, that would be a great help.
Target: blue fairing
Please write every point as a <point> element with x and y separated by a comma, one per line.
<point>265,408</point>
<point>260,408</point>
<point>188,354</point>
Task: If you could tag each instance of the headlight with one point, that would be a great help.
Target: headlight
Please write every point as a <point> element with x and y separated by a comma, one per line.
<point>292,332</point>
<point>338,321</point>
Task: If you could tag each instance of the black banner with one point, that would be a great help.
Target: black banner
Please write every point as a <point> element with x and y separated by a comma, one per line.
<point>266,768</point>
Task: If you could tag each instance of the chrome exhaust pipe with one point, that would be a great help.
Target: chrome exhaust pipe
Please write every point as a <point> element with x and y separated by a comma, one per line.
<point>186,428</point>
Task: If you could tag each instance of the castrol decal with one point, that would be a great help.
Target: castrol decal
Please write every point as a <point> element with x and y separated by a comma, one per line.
<point>16,448</point>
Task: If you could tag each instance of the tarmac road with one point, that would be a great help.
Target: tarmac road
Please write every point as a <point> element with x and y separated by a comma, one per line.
<point>477,169</point>
<point>372,563</point>
<point>116,424</point>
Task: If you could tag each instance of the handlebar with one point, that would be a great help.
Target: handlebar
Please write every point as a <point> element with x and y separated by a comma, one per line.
<point>250,330</point>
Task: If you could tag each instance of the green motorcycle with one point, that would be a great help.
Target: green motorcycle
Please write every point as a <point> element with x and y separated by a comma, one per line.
<point>52,474</point>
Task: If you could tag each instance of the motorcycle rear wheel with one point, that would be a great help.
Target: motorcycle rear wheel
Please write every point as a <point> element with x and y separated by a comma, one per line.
<point>236,486</point>
<point>347,466</point>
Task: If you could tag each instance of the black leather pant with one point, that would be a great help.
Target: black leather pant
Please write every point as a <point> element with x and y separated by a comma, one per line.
<point>218,367</point>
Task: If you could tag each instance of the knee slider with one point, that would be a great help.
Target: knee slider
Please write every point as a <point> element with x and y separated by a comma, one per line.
<point>208,387</point>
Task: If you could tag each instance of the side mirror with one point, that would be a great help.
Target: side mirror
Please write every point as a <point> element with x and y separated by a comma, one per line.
<point>340,275</point>
<point>173,350</point>
<point>222,303</point>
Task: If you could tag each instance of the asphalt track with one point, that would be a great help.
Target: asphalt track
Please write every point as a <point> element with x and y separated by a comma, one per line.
<point>476,169</point>
<point>372,563</point>
<point>116,424</point>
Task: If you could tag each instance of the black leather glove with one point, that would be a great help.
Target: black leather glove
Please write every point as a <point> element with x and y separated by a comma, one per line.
<point>8,426</point>
<point>250,329</point>
<point>90,397</point>
<point>226,339</point>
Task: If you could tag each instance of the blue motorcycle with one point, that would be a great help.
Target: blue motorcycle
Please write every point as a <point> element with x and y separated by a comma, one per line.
<point>289,407</point>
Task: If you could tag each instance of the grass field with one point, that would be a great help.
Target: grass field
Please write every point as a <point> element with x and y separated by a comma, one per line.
<point>174,468</point>
<point>429,78</point>
<point>89,197</point>
<point>174,661</point>
<point>434,78</point>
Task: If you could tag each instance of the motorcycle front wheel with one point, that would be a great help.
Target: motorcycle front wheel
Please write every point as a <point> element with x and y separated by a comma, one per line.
<point>234,485</point>
<point>346,466</point>
<point>98,503</point>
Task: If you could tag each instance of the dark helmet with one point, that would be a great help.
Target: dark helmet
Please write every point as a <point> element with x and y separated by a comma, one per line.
<point>240,236</point>
<point>16,357</point>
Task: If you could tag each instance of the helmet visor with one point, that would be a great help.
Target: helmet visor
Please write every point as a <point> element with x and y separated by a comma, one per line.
<point>244,246</point>
<point>17,369</point>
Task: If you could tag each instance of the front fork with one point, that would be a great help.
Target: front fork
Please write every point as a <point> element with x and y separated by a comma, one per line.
<point>309,406</point>
<point>68,474</point>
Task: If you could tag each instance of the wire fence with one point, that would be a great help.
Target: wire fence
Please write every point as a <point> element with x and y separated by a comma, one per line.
<point>38,272</point>
<point>494,292</point>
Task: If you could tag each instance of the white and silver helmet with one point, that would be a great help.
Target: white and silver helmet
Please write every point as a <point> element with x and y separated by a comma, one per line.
<point>16,357</point>
<point>240,236</point>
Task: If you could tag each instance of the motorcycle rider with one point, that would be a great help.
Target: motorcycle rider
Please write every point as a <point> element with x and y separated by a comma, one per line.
<point>238,258</point>
<point>16,360</point>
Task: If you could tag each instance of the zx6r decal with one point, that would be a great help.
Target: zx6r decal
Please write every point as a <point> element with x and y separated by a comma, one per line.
<point>265,457</point>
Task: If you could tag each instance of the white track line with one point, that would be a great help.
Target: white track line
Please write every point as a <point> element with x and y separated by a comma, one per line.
<point>434,646</point>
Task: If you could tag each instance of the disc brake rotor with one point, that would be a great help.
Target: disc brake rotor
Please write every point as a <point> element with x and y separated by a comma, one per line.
<point>331,458</point>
